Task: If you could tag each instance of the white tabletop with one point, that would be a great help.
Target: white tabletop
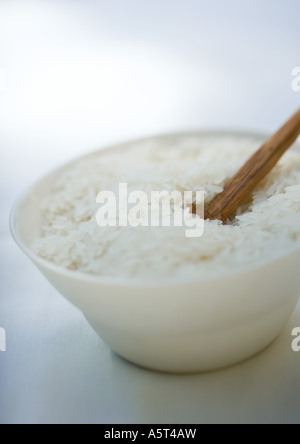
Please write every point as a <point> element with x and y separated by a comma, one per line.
<point>80,75</point>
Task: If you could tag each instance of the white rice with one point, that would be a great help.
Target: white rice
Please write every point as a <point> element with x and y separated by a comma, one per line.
<point>264,227</point>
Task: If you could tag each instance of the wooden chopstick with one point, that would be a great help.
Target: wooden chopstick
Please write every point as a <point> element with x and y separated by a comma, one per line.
<point>253,171</point>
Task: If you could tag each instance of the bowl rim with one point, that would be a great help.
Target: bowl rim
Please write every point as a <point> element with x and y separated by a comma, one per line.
<point>135,282</point>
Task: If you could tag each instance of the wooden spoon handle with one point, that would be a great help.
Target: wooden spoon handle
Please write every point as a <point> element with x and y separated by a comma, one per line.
<point>253,171</point>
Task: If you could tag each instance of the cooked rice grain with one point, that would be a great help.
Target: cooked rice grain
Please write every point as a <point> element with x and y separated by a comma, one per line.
<point>265,226</point>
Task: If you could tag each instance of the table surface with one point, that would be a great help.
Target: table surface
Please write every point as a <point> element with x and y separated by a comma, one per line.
<point>84,74</point>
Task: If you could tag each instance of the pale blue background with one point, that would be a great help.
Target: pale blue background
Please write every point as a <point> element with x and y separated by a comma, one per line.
<point>79,75</point>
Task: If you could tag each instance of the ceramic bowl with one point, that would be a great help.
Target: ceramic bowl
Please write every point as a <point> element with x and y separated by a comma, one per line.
<point>194,326</point>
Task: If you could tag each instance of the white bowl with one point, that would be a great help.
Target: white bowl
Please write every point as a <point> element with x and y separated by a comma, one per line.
<point>189,327</point>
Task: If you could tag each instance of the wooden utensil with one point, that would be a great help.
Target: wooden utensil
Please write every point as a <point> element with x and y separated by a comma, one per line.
<point>253,171</point>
